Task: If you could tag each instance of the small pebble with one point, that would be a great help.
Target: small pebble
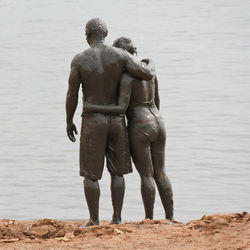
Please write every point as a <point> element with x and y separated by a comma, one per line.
<point>118,231</point>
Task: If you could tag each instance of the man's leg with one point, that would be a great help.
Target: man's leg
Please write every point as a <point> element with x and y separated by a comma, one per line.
<point>92,150</point>
<point>92,194</point>
<point>117,194</point>
<point>118,163</point>
<point>161,179</point>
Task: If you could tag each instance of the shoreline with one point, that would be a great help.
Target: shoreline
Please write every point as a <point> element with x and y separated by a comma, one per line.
<point>217,231</point>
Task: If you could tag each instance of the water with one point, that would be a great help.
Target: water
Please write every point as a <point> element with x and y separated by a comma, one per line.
<point>202,53</point>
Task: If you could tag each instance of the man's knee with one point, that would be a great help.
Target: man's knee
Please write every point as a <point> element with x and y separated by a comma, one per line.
<point>117,177</point>
<point>86,179</point>
<point>90,183</point>
<point>117,181</point>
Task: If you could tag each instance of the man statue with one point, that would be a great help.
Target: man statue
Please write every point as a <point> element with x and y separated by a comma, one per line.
<point>98,70</point>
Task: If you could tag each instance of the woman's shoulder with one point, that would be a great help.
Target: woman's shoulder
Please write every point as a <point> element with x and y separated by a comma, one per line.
<point>127,78</point>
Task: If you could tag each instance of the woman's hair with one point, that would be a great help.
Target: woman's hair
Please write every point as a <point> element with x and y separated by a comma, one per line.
<point>126,44</point>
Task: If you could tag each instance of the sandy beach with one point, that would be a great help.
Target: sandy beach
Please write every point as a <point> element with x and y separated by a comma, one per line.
<point>218,231</point>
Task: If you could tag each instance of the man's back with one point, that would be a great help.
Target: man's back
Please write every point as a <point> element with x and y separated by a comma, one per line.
<point>100,71</point>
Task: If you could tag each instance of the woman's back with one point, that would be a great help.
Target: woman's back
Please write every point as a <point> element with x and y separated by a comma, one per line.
<point>142,105</point>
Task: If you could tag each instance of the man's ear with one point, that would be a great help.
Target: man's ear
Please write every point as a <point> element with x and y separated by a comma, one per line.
<point>106,33</point>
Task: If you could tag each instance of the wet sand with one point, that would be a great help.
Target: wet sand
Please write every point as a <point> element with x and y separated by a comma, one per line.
<point>218,231</point>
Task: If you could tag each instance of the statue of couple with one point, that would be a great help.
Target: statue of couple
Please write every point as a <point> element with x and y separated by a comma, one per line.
<point>115,85</point>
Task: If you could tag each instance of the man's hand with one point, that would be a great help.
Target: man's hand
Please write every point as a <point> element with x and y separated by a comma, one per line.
<point>147,61</point>
<point>71,128</point>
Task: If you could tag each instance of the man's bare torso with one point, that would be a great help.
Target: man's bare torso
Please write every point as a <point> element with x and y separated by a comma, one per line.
<point>100,70</point>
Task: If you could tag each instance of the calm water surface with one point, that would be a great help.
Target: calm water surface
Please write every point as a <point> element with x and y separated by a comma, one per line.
<point>202,53</point>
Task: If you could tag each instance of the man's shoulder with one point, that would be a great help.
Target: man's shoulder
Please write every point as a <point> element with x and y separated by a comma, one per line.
<point>96,50</point>
<point>117,51</point>
<point>84,55</point>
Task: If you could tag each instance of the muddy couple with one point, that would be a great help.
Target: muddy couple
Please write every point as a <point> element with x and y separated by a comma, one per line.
<point>120,121</point>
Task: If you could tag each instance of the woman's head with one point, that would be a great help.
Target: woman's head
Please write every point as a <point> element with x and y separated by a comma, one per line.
<point>126,44</point>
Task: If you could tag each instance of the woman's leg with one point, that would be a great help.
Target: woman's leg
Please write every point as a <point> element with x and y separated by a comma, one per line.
<point>141,154</point>
<point>161,179</point>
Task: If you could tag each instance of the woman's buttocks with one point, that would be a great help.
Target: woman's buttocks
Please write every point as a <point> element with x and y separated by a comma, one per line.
<point>145,122</point>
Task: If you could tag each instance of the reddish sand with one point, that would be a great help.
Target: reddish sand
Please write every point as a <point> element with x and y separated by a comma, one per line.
<point>217,231</point>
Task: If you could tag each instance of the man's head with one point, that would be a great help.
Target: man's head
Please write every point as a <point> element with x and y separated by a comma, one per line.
<point>126,44</point>
<point>95,29</point>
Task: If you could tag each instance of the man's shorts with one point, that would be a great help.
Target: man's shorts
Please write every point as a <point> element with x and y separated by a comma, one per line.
<point>102,135</point>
